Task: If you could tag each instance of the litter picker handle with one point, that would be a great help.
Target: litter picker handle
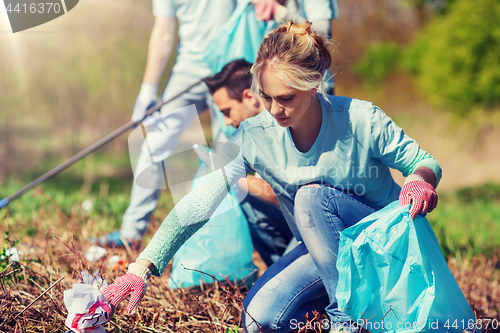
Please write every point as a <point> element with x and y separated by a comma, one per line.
<point>4,202</point>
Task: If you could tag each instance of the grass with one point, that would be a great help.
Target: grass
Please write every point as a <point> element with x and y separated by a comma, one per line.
<point>467,222</point>
<point>51,228</point>
<point>31,293</point>
<point>64,194</point>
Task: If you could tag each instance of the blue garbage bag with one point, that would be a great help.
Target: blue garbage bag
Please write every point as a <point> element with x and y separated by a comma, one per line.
<point>239,38</point>
<point>392,266</point>
<point>222,247</point>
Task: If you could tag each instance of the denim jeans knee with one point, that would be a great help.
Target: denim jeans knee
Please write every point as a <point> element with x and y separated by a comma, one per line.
<point>307,200</point>
<point>286,291</point>
<point>321,213</point>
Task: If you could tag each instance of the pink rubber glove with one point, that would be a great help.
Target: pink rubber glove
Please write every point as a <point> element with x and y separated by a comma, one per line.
<point>134,282</point>
<point>265,9</point>
<point>420,194</point>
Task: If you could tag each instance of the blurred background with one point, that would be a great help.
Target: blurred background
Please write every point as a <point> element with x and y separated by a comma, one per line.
<point>431,65</point>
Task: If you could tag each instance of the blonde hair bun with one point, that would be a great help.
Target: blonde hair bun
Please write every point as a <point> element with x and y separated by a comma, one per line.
<point>298,28</point>
<point>298,55</point>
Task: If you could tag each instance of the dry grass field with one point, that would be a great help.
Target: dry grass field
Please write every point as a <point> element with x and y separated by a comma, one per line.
<point>31,297</point>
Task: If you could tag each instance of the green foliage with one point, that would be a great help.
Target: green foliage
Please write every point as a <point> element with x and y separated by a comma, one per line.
<point>378,62</point>
<point>413,55</point>
<point>61,198</point>
<point>467,221</point>
<point>235,329</point>
<point>486,193</point>
<point>5,260</point>
<point>46,210</point>
<point>12,270</point>
<point>457,57</point>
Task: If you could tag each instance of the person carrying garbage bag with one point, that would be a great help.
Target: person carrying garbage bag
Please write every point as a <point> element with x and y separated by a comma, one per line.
<point>327,159</point>
<point>197,22</point>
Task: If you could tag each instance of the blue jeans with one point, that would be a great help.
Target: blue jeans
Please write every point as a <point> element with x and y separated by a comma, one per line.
<point>306,278</point>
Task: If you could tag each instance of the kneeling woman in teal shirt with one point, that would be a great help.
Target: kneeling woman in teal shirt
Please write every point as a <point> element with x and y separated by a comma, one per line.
<point>327,159</point>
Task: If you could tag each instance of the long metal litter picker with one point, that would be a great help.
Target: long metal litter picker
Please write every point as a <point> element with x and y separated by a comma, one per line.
<point>5,201</point>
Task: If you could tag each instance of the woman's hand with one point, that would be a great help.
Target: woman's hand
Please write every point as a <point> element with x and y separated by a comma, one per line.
<point>420,194</point>
<point>134,282</point>
<point>265,9</point>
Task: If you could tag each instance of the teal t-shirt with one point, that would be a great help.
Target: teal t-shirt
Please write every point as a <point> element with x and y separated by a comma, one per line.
<point>356,146</point>
<point>313,10</point>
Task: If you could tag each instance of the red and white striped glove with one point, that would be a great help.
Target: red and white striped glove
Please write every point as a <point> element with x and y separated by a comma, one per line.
<point>420,194</point>
<point>134,282</point>
<point>265,9</point>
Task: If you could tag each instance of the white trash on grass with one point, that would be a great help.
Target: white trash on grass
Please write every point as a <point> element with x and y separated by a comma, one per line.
<point>95,253</point>
<point>87,206</point>
<point>87,309</point>
<point>13,254</point>
<point>94,280</point>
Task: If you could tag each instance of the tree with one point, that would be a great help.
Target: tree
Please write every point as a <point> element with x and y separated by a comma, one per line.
<point>457,57</point>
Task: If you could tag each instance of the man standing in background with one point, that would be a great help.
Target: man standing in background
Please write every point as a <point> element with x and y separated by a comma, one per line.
<point>196,22</point>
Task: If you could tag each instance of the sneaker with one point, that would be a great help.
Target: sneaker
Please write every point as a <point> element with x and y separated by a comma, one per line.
<point>110,240</point>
